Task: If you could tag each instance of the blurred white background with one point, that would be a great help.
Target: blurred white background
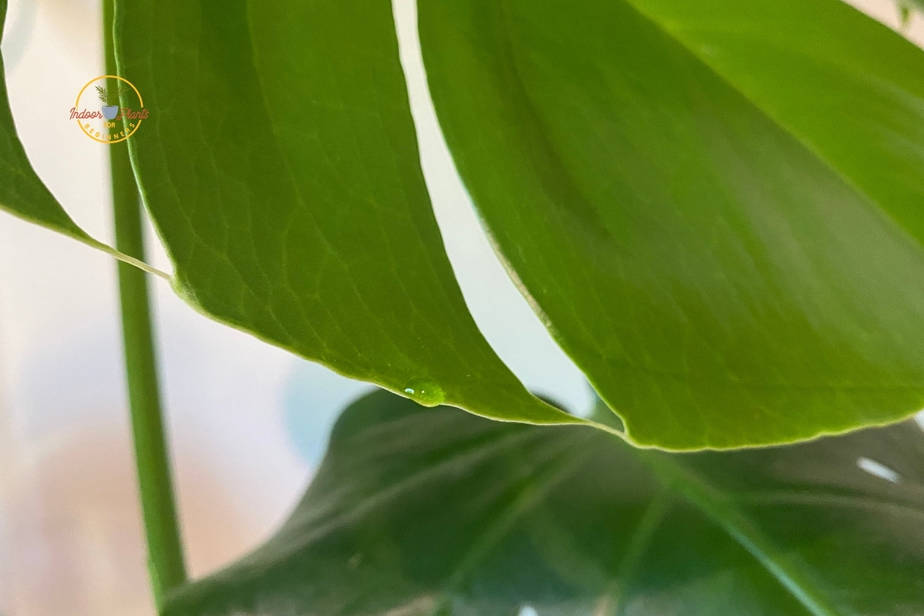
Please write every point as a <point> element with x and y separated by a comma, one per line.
<point>248,422</point>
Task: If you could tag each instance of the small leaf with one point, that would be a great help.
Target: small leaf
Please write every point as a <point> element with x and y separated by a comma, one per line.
<point>421,512</point>
<point>22,193</point>
<point>280,165</point>
<point>715,206</point>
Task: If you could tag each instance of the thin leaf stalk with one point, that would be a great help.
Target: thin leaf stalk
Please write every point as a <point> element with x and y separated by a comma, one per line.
<point>165,554</point>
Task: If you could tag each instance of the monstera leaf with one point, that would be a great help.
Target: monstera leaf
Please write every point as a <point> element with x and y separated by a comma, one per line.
<point>716,206</point>
<point>290,195</point>
<point>419,511</point>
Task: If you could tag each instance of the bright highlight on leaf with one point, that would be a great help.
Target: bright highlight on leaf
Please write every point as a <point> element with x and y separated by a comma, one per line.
<point>430,511</point>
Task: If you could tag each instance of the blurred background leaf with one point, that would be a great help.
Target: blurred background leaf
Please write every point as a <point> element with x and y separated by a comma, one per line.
<point>420,511</point>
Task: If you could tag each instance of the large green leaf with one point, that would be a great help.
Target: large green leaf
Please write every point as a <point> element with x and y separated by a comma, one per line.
<point>435,512</point>
<point>322,243</point>
<point>281,169</point>
<point>715,206</point>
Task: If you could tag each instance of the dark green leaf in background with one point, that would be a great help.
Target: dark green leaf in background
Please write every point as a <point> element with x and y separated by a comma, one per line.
<point>716,206</point>
<point>422,512</point>
<point>281,169</point>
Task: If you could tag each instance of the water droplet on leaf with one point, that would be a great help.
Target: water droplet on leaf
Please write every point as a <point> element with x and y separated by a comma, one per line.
<point>425,392</point>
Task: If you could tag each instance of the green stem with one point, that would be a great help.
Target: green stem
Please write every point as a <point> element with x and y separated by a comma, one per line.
<point>165,554</point>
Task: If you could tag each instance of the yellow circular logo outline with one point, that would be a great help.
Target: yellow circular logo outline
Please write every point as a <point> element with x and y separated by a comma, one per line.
<point>77,104</point>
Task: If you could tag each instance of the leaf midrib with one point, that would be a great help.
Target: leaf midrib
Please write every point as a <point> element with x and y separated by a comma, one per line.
<point>739,527</point>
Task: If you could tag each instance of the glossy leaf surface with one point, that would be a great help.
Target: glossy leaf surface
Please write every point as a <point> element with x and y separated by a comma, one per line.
<point>715,206</point>
<point>281,169</point>
<point>419,512</point>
